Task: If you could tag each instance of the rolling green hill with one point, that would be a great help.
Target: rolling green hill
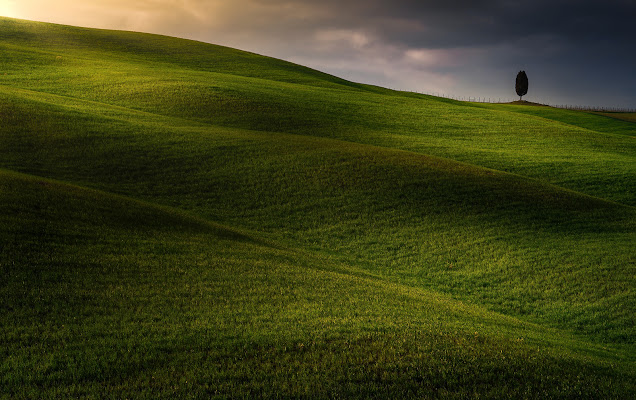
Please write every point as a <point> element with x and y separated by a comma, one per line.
<point>185,219</point>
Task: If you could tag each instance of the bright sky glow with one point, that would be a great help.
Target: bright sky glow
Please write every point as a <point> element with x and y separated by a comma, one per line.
<point>7,8</point>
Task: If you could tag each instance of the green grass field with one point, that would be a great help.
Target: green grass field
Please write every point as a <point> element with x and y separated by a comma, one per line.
<point>181,219</point>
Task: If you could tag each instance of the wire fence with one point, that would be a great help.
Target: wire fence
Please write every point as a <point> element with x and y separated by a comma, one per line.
<point>594,109</point>
<point>496,100</point>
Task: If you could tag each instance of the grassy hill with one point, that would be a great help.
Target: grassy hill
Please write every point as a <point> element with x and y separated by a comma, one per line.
<point>188,219</point>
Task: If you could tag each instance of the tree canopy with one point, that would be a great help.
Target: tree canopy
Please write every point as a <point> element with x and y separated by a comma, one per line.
<point>521,85</point>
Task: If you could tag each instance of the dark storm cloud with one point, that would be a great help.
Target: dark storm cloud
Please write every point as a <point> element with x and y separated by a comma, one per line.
<point>479,22</point>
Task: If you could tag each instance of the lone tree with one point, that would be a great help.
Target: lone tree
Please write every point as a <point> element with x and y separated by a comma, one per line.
<point>521,86</point>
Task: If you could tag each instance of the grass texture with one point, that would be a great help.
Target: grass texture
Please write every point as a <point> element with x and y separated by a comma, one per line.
<point>187,220</point>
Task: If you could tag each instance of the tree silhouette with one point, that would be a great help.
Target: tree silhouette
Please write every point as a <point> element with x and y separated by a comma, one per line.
<point>521,86</point>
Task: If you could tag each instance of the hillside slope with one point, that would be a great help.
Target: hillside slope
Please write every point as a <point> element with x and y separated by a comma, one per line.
<point>387,209</point>
<point>355,229</point>
<point>110,67</point>
<point>104,295</point>
<point>68,44</point>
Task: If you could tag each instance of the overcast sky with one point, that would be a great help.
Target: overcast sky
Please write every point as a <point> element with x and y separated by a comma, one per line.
<point>576,52</point>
